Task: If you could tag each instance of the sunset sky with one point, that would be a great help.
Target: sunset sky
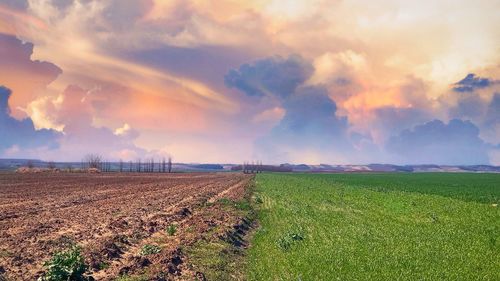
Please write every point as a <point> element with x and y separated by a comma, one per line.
<point>299,81</point>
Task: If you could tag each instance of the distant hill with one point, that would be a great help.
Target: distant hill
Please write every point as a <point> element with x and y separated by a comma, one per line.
<point>393,168</point>
<point>13,164</point>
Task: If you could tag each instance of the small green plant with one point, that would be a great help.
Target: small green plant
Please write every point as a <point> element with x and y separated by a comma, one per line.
<point>5,253</point>
<point>150,249</point>
<point>434,218</point>
<point>103,265</point>
<point>67,265</point>
<point>132,278</point>
<point>258,200</point>
<point>225,201</point>
<point>285,242</point>
<point>242,205</point>
<point>171,230</point>
<point>190,229</point>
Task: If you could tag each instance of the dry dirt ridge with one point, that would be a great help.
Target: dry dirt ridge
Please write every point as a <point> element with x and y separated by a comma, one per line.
<point>112,216</point>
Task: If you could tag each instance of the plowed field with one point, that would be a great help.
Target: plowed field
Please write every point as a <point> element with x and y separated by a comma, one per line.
<point>111,216</point>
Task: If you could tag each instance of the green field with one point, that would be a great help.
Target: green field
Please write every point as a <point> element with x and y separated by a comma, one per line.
<point>432,226</point>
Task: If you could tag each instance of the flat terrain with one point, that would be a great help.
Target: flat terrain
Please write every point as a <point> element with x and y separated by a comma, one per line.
<point>111,216</point>
<point>437,226</point>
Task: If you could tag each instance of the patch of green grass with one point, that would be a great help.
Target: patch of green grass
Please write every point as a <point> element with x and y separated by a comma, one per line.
<point>132,278</point>
<point>286,241</point>
<point>190,229</point>
<point>258,200</point>
<point>66,265</point>
<point>150,249</point>
<point>242,205</point>
<point>225,201</point>
<point>5,253</point>
<point>376,227</point>
<point>103,265</point>
<point>218,260</point>
<point>171,230</point>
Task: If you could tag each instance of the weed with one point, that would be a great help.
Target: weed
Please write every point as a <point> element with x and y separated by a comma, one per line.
<point>225,201</point>
<point>434,218</point>
<point>67,265</point>
<point>5,253</point>
<point>103,265</point>
<point>171,230</point>
<point>258,200</point>
<point>242,205</point>
<point>132,278</point>
<point>150,249</point>
<point>286,241</point>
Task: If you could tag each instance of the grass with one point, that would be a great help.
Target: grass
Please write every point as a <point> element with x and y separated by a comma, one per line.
<point>376,227</point>
<point>150,249</point>
<point>132,278</point>
<point>242,205</point>
<point>219,259</point>
<point>171,230</point>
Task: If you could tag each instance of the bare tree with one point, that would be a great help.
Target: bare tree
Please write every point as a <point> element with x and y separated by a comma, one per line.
<point>51,165</point>
<point>93,161</point>
<point>138,165</point>
<point>69,167</point>
<point>130,166</point>
<point>30,164</point>
<point>120,165</point>
<point>169,164</point>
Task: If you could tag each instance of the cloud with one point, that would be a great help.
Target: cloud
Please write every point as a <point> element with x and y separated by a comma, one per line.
<point>468,106</point>
<point>493,111</point>
<point>159,67</point>
<point>275,76</point>
<point>16,4</point>
<point>479,104</point>
<point>127,131</point>
<point>17,66</point>
<point>492,120</point>
<point>310,111</point>
<point>16,135</point>
<point>471,82</point>
<point>206,64</point>
<point>272,115</point>
<point>388,120</point>
<point>310,124</point>
<point>435,142</point>
<point>76,111</point>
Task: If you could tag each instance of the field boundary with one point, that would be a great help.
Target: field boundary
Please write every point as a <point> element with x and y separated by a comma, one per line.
<point>223,256</point>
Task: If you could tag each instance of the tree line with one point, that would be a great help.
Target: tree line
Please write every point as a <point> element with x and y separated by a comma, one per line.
<point>94,161</point>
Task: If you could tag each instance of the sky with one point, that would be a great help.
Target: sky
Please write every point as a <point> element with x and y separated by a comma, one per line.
<point>227,81</point>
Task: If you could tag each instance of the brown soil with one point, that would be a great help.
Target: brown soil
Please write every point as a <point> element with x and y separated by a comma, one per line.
<point>112,216</point>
